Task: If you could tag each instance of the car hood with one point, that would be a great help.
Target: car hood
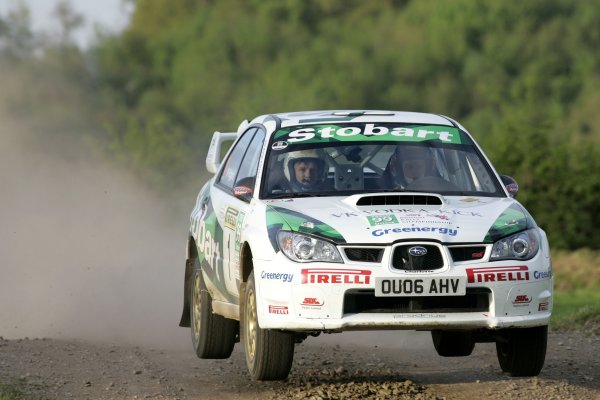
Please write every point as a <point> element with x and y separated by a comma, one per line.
<point>456,220</point>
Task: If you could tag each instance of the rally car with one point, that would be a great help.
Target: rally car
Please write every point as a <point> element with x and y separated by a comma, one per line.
<point>331,221</point>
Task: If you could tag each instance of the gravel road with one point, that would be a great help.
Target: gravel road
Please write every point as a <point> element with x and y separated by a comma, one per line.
<point>358,365</point>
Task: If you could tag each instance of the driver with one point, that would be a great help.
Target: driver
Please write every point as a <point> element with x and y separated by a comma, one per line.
<point>305,170</point>
<point>407,165</point>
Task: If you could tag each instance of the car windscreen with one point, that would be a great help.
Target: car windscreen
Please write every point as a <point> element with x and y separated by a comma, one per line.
<point>345,159</point>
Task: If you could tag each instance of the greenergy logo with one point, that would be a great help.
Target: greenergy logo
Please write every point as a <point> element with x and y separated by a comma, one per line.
<point>498,274</point>
<point>336,276</point>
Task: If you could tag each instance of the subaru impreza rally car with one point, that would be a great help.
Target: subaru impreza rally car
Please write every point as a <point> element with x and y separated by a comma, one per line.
<point>331,221</point>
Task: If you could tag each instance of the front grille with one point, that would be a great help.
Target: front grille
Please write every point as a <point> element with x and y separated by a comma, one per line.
<point>364,301</point>
<point>403,260</point>
<point>467,253</point>
<point>364,254</point>
<point>401,199</point>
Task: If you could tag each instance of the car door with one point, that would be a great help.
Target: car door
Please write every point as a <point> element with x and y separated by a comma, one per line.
<point>231,196</point>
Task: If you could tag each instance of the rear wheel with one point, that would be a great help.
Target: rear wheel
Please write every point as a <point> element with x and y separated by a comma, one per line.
<point>521,352</point>
<point>269,353</point>
<point>213,336</point>
<point>453,343</point>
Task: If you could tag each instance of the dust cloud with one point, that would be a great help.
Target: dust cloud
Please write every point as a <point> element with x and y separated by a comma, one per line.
<point>85,251</point>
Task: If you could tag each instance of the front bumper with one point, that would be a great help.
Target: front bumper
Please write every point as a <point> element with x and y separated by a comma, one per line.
<point>343,299</point>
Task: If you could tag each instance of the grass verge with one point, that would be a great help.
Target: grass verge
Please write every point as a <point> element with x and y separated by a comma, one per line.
<point>9,392</point>
<point>577,290</point>
<point>576,310</point>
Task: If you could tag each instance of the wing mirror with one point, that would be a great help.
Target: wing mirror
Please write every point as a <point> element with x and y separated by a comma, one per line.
<point>243,189</point>
<point>243,192</point>
<point>512,187</point>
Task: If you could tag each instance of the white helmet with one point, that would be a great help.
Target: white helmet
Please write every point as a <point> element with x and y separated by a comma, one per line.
<point>293,157</point>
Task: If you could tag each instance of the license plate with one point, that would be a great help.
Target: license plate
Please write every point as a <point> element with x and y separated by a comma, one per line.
<point>424,286</point>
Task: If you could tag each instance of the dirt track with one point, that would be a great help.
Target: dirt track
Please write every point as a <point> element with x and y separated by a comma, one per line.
<point>350,365</point>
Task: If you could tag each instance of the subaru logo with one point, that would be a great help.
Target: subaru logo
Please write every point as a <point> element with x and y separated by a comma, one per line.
<point>417,251</point>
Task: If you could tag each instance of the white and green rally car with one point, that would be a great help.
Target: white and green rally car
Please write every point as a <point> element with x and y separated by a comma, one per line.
<point>315,223</point>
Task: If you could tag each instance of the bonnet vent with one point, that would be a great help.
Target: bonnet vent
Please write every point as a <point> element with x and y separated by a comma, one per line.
<point>399,199</point>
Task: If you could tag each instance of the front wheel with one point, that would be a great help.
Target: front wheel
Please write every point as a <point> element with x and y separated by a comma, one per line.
<point>521,352</point>
<point>269,353</point>
<point>213,336</point>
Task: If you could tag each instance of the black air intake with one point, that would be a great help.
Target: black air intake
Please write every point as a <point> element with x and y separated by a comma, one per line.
<point>366,254</point>
<point>400,200</point>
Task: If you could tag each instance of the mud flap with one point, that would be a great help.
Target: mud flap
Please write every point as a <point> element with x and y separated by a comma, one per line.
<point>185,315</point>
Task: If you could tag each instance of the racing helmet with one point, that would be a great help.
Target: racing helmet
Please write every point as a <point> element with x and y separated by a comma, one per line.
<point>411,162</point>
<point>311,155</point>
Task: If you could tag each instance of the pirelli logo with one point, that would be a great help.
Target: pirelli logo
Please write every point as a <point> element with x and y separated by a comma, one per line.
<point>336,276</point>
<point>497,274</point>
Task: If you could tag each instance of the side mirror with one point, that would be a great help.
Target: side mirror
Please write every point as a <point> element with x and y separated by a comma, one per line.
<point>512,187</point>
<point>243,193</point>
<point>243,188</point>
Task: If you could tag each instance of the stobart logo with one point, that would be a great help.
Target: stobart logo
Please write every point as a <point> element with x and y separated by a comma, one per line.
<point>445,134</point>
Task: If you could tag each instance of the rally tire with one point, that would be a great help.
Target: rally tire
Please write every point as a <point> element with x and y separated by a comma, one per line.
<point>213,336</point>
<point>269,353</point>
<point>521,352</point>
<point>453,343</point>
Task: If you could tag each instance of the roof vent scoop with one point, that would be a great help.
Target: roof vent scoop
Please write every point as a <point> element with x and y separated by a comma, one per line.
<point>400,199</point>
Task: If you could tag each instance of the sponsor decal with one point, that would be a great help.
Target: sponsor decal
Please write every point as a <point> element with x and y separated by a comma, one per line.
<point>418,315</point>
<point>434,229</point>
<point>497,274</point>
<point>278,218</point>
<point>311,302</point>
<point>512,220</point>
<point>238,230</point>
<point>282,310</point>
<point>241,190</point>
<point>336,276</point>
<point>371,132</point>
<point>512,188</point>
<point>276,276</point>
<point>231,215</point>
<point>279,145</point>
<point>412,212</point>
<point>418,271</point>
<point>208,247</point>
<point>382,220</point>
<point>543,306</point>
<point>521,300</point>
<point>470,200</point>
<point>308,225</point>
<point>542,274</point>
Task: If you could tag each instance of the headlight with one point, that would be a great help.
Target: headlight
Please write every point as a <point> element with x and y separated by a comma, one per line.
<point>302,248</point>
<point>520,246</point>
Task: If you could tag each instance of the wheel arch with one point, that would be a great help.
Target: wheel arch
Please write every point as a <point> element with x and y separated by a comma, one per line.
<point>246,264</point>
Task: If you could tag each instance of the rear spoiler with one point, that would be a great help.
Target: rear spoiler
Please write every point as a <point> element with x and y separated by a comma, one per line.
<point>213,157</point>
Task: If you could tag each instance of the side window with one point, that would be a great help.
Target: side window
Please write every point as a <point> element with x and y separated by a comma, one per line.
<point>232,164</point>
<point>247,172</point>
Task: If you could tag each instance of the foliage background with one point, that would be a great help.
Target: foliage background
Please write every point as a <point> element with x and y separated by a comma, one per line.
<point>523,77</point>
